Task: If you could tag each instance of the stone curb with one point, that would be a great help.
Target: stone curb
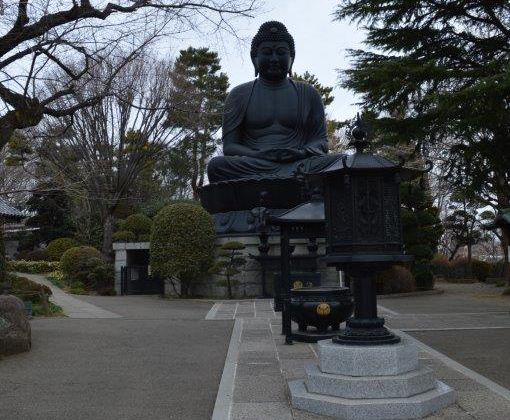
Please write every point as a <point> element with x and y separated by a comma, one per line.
<point>411,294</point>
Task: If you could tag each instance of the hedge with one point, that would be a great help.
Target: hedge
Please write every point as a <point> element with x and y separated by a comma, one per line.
<point>32,267</point>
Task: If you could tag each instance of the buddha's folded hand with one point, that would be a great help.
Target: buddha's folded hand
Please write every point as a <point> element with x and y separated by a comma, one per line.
<point>283,155</point>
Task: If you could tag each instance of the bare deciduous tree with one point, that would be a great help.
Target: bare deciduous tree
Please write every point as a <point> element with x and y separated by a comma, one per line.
<point>39,36</point>
<point>108,145</point>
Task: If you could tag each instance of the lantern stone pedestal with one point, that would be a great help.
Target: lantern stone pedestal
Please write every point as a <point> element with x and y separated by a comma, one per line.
<point>370,382</point>
<point>366,372</point>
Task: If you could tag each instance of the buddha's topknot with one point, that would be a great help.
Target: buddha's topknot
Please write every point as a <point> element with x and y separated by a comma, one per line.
<point>272,31</point>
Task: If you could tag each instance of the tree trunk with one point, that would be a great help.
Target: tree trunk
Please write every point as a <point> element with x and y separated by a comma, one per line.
<point>505,243</point>
<point>470,252</point>
<point>229,287</point>
<point>107,236</point>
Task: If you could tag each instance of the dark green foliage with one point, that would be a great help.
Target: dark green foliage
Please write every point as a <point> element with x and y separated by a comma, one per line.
<point>437,73</point>
<point>324,91</point>
<point>229,263</point>
<point>27,289</point>
<point>481,269</point>
<point>138,224</point>
<point>52,217</point>
<point>182,243</point>
<point>200,90</point>
<point>396,279</point>
<point>57,247</point>
<point>124,236</point>
<point>86,265</point>
<point>32,267</point>
<point>422,229</point>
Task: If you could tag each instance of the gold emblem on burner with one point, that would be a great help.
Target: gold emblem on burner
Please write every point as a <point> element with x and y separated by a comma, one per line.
<point>297,284</point>
<point>323,309</point>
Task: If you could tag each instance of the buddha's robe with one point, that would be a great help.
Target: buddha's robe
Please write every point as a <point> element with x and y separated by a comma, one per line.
<point>267,119</point>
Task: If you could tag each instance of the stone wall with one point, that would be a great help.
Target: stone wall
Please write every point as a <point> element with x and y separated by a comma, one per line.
<point>249,281</point>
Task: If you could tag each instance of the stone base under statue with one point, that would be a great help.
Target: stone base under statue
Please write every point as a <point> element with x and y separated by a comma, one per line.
<point>249,282</point>
<point>370,382</point>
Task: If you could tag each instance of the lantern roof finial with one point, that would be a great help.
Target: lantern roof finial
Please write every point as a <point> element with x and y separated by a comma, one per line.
<point>359,134</point>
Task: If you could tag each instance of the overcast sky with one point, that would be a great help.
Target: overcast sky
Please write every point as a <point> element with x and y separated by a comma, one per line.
<point>321,45</point>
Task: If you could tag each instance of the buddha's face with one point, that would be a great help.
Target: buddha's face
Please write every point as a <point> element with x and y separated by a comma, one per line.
<point>273,60</point>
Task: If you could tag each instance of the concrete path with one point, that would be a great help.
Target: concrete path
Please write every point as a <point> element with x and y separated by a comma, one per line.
<point>254,383</point>
<point>159,360</point>
<point>73,307</point>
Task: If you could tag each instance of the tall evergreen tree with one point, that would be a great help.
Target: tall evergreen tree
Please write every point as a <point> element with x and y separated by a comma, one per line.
<point>438,72</point>
<point>200,90</point>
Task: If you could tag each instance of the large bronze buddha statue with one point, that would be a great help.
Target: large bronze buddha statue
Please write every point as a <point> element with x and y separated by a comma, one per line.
<point>271,127</point>
<point>272,124</point>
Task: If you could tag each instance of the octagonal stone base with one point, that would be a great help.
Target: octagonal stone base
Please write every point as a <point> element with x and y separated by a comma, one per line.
<point>392,359</point>
<point>398,386</point>
<point>414,407</point>
<point>370,383</point>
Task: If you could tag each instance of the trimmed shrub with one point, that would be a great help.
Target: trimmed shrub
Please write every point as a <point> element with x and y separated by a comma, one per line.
<point>440,265</point>
<point>57,278</point>
<point>124,236</point>
<point>460,269</point>
<point>57,247</point>
<point>35,255</point>
<point>27,290</point>
<point>85,264</point>
<point>138,223</point>
<point>423,276</point>
<point>145,237</point>
<point>182,243</point>
<point>396,279</point>
<point>481,269</point>
<point>32,267</point>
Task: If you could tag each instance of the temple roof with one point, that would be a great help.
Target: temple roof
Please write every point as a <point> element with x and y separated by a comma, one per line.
<point>9,212</point>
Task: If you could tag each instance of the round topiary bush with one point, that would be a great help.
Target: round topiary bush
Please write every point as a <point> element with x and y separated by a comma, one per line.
<point>182,243</point>
<point>481,269</point>
<point>80,264</point>
<point>57,247</point>
<point>138,223</point>
<point>396,279</point>
<point>124,236</point>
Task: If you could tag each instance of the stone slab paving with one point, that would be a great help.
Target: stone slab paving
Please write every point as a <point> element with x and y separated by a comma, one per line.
<point>265,364</point>
<point>73,307</point>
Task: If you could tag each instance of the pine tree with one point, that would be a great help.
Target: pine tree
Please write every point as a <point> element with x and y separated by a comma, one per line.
<point>200,91</point>
<point>229,264</point>
<point>436,72</point>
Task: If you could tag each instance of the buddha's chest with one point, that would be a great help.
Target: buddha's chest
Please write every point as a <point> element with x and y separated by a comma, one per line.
<point>268,108</point>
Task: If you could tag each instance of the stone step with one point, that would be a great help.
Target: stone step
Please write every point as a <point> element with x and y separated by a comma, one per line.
<point>383,360</point>
<point>414,407</point>
<point>395,386</point>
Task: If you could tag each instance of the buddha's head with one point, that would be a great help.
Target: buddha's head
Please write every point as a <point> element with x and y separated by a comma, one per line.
<point>272,51</point>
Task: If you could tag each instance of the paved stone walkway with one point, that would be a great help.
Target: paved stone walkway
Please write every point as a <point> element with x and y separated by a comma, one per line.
<point>259,364</point>
<point>73,307</point>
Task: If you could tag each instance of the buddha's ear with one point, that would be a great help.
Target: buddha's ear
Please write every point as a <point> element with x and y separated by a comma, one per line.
<point>290,68</point>
<point>255,66</point>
